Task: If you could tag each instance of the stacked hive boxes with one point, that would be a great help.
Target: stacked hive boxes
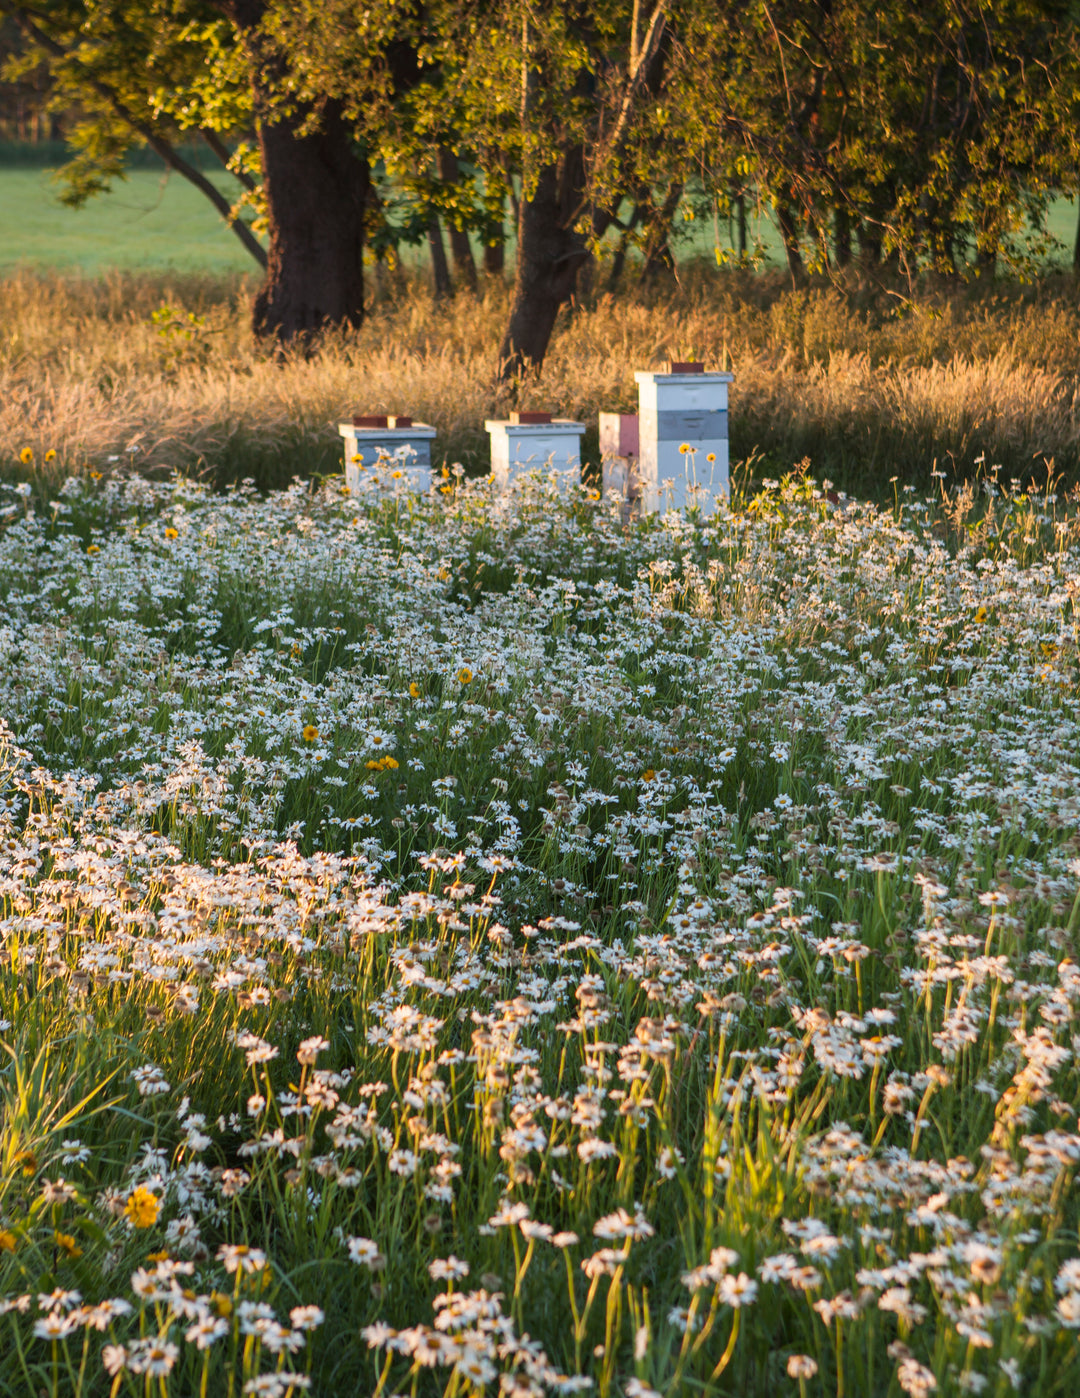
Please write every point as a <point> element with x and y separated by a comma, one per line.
<point>683,435</point>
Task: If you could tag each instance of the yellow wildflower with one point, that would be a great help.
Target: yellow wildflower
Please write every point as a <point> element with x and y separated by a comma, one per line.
<point>172,533</point>
<point>142,1207</point>
<point>67,1245</point>
<point>465,675</point>
<point>8,1240</point>
<point>50,455</point>
<point>311,733</point>
<point>26,456</point>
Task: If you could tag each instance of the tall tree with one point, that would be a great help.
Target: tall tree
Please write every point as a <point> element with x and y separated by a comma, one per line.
<point>316,185</point>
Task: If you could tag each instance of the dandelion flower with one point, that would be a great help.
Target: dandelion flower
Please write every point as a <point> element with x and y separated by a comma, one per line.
<point>142,1207</point>
<point>67,1245</point>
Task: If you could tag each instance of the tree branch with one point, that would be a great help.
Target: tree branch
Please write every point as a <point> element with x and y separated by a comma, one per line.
<point>221,150</point>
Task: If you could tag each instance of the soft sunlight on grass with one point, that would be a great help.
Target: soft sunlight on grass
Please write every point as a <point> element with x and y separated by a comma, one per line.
<point>869,387</point>
<point>465,945</point>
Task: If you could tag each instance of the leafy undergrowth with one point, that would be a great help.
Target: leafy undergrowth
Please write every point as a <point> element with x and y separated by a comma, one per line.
<point>463,945</point>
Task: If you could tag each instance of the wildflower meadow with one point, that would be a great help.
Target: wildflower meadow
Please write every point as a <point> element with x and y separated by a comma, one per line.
<point>464,945</point>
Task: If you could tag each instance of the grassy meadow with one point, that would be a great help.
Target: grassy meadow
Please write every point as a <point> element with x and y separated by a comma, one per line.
<point>461,945</point>
<point>160,368</point>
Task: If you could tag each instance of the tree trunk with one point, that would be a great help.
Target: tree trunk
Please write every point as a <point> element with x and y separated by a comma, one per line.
<point>316,189</point>
<point>869,246</point>
<point>549,255</point>
<point>440,268</point>
<point>495,252</point>
<point>740,224</point>
<point>618,262</point>
<point>460,247</point>
<point>842,237</point>
<point>659,258</point>
<point>789,232</point>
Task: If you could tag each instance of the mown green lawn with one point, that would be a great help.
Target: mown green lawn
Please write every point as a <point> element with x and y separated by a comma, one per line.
<point>153,220</point>
<point>148,220</point>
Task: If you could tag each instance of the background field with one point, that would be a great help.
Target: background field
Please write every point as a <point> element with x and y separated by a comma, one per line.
<point>153,219</point>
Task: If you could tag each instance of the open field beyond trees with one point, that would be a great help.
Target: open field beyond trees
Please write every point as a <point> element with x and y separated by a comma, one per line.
<point>456,944</point>
<point>152,220</point>
<point>867,385</point>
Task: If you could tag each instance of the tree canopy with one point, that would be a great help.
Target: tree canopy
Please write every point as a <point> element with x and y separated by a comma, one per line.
<point>910,138</point>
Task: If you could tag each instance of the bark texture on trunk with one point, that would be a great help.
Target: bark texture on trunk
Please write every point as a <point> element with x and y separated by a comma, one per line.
<point>550,254</point>
<point>316,191</point>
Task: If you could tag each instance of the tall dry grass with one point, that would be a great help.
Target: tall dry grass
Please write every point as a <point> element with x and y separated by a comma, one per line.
<point>867,386</point>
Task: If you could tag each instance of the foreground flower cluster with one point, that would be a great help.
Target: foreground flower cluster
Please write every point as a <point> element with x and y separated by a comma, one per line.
<point>459,946</point>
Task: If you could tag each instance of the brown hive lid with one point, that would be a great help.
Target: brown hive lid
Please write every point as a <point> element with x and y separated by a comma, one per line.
<point>529,419</point>
<point>399,422</point>
<point>684,366</point>
<point>371,420</point>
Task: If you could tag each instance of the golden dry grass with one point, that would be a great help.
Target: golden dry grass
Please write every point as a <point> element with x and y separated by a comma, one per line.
<point>867,387</point>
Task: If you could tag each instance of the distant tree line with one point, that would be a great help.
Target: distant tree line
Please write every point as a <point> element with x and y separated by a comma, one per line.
<point>897,136</point>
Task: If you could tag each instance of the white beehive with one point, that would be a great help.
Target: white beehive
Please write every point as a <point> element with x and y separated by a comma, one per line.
<point>619,456</point>
<point>387,452</point>
<point>682,406</point>
<point>534,441</point>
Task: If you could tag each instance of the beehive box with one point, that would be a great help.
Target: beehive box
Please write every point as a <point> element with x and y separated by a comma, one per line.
<point>619,456</point>
<point>682,406</point>
<point>387,451</point>
<point>534,441</point>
